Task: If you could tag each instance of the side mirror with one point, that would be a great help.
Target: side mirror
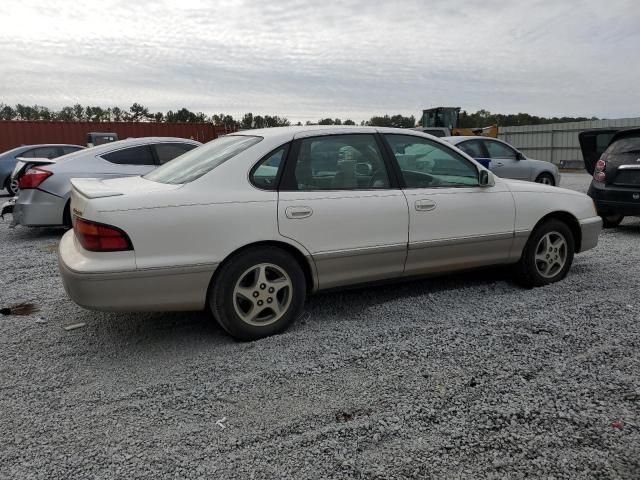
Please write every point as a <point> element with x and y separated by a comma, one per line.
<point>486,179</point>
<point>520,156</point>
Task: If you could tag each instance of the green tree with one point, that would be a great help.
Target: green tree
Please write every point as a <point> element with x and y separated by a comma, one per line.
<point>7,112</point>
<point>78,113</point>
<point>138,112</point>
<point>349,122</point>
<point>325,121</point>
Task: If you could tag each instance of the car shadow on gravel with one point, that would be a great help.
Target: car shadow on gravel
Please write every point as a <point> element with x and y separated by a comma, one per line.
<point>355,298</point>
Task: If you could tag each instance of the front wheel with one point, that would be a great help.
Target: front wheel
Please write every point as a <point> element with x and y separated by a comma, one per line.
<point>547,255</point>
<point>611,220</point>
<point>546,179</point>
<point>257,293</point>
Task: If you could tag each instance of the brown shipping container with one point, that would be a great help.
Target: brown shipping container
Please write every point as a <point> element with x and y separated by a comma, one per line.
<point>16,133</point>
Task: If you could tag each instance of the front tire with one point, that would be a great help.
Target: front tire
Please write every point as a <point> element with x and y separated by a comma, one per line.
<point>258,293</point>
<point>546,179</point>
<point>547,255</point>
<point>611,220</point>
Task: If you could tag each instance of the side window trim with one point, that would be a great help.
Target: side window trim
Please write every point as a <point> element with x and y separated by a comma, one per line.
<point>397,168</point>
<point>281,168</point>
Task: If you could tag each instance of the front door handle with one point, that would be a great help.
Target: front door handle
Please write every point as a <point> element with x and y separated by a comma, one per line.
<point>499,164</point>
<point>298,212</point>
<point>424,205</point>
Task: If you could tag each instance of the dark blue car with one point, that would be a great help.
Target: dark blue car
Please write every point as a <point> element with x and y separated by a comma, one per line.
<point>8,160</point>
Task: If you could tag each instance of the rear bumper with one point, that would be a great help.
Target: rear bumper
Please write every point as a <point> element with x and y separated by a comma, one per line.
<point>614,199</point>
<point>590,231</point>
<point>37,208</point>
<point>157,289</point>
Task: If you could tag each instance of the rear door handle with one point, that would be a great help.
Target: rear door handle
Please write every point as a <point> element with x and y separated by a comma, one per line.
<point>424,205</point>
<point>298,212</point>
<point>499,164</point>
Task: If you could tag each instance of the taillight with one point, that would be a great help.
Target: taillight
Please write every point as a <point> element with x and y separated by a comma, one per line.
<point>33,178</point>
<point>97,237</point>
<point>599,175</point>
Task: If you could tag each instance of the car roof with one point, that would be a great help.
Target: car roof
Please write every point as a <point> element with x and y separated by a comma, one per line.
<point>462,138</point>
<point>289,133</point>
<point>40,145</point>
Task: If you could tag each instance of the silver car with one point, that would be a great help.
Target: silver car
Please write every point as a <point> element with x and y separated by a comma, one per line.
<point>45,190</point>
<point>505,160</point>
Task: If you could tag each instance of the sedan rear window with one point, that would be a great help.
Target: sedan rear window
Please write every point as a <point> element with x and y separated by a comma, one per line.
<point>194,164</point>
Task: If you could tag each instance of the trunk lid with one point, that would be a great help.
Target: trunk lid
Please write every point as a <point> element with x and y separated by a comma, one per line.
<point>593,143</point>
<point>86,190</point>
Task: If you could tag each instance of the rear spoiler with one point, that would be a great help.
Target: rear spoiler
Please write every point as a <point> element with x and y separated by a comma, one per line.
<point>37,160</point>
<point>93,188</point>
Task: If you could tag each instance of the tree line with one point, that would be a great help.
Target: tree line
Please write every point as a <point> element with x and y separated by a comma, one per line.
<point>483,118</point>
<point>140,113</point>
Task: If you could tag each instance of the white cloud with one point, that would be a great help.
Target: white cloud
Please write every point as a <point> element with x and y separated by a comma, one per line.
<point>311,59</point>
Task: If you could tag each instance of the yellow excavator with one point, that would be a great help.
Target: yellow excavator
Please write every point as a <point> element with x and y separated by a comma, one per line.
<point>443,118</point>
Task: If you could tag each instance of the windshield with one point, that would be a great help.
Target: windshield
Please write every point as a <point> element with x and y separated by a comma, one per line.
<point>194,164</point>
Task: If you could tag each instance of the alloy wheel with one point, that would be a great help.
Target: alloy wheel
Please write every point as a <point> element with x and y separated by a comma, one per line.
<point>262,294</point>
<point>15,186</point>
<point>551,254</point>
<point>545,180</point>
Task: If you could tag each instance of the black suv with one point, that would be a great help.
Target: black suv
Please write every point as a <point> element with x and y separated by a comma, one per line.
<point>612,156</point>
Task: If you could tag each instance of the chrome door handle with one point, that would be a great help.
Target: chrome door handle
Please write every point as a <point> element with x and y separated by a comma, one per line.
<point>499,164</point>
<point>424,205</point>
<point>298,212</point>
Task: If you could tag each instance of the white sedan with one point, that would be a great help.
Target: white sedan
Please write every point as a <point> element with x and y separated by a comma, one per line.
<point>251,223</point>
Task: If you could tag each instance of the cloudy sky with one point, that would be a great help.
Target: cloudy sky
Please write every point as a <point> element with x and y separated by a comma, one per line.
<point>310,59</point>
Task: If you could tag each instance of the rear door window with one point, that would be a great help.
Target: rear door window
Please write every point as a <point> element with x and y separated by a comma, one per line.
<point>138,155</point>
<point>473,148</point>
<point>339,162</point>
<point>168,151</point>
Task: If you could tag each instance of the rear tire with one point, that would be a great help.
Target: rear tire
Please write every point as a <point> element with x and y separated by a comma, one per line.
<point>66,215</point>
<point>547,255</point>
<point>611,220</point>
<point>11,187</point>
<point>546,179</point>
<point>257,293</point>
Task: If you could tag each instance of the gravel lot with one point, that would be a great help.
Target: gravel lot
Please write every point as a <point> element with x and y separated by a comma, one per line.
<point>467,376</point>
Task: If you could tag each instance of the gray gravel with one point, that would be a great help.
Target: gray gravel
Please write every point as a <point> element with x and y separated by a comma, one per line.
<point>466,376</point>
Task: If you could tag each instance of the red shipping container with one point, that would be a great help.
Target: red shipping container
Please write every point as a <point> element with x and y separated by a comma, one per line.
<point>16,133</point>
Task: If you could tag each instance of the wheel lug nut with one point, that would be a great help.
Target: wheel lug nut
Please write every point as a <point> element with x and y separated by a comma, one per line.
<point>271,290</point>
<point>262,286</point>
<point>269,300</point>
<point>260,302</point>
<point>255,294</point>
